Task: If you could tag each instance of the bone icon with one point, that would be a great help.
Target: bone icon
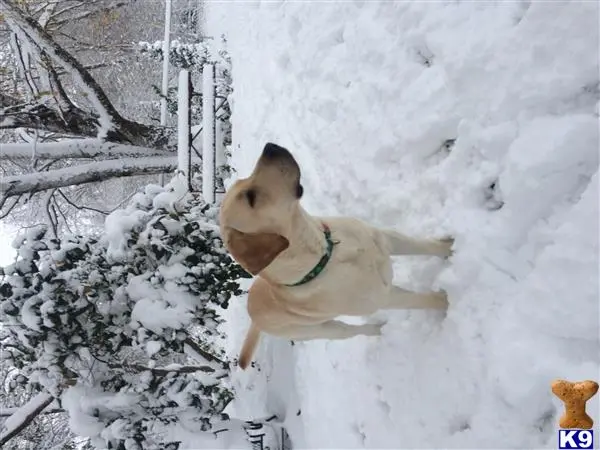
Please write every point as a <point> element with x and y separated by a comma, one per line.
<point>575,395</point>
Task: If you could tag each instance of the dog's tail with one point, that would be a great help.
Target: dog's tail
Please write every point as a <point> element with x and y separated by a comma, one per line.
<point>250,344</point>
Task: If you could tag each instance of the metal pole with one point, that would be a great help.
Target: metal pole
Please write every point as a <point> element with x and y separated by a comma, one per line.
<point>199,16</point>
<point>165,73</point>
<point>219,161</point>
<point>208,133</point>
<point>183,125</point>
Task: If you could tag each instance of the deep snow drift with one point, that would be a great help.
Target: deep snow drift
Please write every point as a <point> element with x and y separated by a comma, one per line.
<point>475,119</point>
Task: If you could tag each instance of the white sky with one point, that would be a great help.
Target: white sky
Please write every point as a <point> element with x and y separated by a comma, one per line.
<point>7,253</point>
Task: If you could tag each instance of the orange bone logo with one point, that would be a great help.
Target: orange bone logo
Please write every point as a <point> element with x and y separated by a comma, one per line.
<point>575,395</point>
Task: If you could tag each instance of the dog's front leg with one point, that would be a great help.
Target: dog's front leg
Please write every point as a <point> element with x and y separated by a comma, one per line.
<point>332,329</point>
<point>400,244</point>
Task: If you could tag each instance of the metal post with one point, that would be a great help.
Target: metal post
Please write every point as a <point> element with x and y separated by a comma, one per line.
<point>208,133</point>
<point>199,16</point>
<point>184,156</point>
<point>165,73</point>
<point>220,161</point>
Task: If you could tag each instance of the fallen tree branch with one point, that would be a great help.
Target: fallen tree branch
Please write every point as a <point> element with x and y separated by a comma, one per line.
<point>195,348</point>
<point>85,173</point>
<point>8,100</point>
<point>21,418</point>
<point>76,148</point>
<point>23,64</point>
<point>7,412</point>
<point>109,115</point>
<point>39,116</point>
<point>16,113</point>
<point>84,14</point>
<point>163,371</point>
<point>110,125</point>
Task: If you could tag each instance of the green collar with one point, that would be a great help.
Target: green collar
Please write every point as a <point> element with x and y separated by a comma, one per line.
<point>314,273</point>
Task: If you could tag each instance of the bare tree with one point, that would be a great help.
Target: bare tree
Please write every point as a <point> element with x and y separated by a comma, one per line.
<point>32,40</point>
<point>45,109</point>
<point>86,173</point>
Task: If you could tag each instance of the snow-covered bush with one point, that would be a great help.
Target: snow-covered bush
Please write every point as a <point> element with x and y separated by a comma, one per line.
<point>108,324</point>
<point>190,56</point>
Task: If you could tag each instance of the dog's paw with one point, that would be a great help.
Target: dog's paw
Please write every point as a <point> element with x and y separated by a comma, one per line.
<point>439,300</point>
<point>372,329</point>
<point>446,245</point>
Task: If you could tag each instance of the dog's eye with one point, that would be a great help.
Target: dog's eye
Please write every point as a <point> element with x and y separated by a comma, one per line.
<point>251,197</point>
<point>299,191</point>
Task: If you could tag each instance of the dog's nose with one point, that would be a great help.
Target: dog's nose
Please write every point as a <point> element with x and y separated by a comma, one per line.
<point>276,152</point>
<point>279,158</point>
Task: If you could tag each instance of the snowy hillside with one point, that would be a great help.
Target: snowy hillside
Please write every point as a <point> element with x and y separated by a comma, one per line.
<point>475,119</point>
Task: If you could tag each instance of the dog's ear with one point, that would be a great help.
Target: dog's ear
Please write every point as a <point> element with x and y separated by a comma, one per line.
<point>254,252</point>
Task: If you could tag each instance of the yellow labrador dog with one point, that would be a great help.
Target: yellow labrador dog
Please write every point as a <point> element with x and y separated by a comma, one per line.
<point>312,269</point>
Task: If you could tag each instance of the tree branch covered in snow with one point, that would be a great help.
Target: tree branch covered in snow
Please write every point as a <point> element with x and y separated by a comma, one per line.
<point>21,418</point>
<point>7,412</point>
<point>198,352</point>
<point>86,173</point>
<point>40,116</point>
<point>61,17</point>
<point>106,123</point>
<point>166,371</point>
<point>15,113</point>
<point>8,100</point>
<point>23,62</point>
<point>109,117</point>
<point>76,148</point>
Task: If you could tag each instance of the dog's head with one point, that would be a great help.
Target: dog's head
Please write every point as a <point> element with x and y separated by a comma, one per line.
<point>257,212</point>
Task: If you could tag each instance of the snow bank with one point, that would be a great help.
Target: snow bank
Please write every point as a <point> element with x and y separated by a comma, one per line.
<point>478,120</point>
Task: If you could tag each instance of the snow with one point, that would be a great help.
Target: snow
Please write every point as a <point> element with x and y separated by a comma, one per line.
<point>474,119</point>
<point>29,316</point>
<point>150,310</point>
<point>117,227</point>
<point>153,347</point>
<point>85,404</point>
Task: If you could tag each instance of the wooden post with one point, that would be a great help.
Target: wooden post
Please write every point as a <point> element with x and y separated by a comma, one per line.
<point>184,149</point>
<point>208,132</point>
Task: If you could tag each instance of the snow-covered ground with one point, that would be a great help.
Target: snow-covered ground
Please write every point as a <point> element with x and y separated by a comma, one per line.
<point>476,119</point>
